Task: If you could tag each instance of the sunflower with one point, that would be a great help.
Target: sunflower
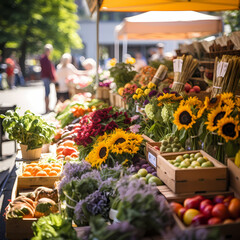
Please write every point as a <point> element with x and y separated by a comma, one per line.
<point>213,102</point>
<point>225,96</point>
<point>136,138</point>
<point>237,102</point>
<point>184,118</point>
<point>228,128</point>
<point>193,101</point>
<point>215,116</point>
<point>98,155</point>
<point>120,148</point>
<point>165,96</point>
<point>201,111</point>
<point>119,136</point>
<point>228,102</point>
<point>102,138</point>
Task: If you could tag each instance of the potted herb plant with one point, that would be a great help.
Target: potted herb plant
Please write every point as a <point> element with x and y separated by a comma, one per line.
<point>30,130</point>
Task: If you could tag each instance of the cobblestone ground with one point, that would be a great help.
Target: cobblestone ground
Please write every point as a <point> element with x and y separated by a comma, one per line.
<point>30,98</point>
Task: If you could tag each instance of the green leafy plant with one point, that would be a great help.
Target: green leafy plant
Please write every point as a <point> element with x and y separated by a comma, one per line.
<point>29,129</point>
<point>55,227</point>
<point>122,73</point>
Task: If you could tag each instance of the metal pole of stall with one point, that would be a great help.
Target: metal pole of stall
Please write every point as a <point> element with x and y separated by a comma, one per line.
<point>97,47</point>
<point>124,51</point>
<point>116,45</point>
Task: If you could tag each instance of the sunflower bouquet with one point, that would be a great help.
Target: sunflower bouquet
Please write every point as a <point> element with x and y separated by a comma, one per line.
<point>119,146</point>
<point>222,125</point>
<point>187,119</point>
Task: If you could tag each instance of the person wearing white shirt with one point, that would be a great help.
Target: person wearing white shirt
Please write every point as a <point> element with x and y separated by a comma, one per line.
<point>64,70</point>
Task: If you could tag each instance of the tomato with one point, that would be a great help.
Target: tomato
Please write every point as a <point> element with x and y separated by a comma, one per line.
<point>68,151</point>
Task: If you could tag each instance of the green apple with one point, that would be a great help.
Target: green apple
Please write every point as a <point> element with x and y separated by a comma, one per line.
<point>155,181</point>
<point>195,164</point>
<point>135,176</point>
<point>179,158</point>
<point>176,164</point>
<point>186,155</point>
<point>143,179</point>
<point>201,160</point>
<point>148,176</point>
<point>197,155</point>
<point>142,172</point>
<point>192,155</point>
<point>207,164</point>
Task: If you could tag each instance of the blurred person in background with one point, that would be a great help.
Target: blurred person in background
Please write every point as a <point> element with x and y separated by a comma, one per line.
<point>48,73</point>
<point>90,67</point>
<point>18,76</point>
<point>159,55</point>
<point>1,71</point>
<point>64,70</point>
<point>140,61</point>
<point>10,72</point>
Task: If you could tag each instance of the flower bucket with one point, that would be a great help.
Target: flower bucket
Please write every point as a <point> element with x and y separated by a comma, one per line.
<point>112,214</point>
<point>30,154</point>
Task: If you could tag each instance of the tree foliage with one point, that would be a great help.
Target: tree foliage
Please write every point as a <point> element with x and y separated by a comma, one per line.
<point>33,23</point>
<point>232,18</point>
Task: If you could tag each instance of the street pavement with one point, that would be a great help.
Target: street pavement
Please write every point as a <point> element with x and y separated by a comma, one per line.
<point>30,98</point>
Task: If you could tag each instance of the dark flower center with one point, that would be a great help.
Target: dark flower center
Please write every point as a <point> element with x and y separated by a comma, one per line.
<point>218,117</point>
<point>229,130</point>
<point>213,100</point>
<point>185,118</point>
<point>120,140</point>
<point>103,152</point>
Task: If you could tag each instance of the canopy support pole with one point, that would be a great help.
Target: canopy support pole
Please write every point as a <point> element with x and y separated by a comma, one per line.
<point>116,45</point>
<point>97,46</point>
<point>124,51</point>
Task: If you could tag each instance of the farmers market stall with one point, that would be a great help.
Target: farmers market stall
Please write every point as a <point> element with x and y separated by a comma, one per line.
<point>158,167</point>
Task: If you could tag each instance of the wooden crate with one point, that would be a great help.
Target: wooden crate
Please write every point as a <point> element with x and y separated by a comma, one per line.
<point>152,153</point>
<point>227,231</point>
<point>192,180</point>
<point>234,175</point>
<point>119,102</point>
<point>102,93</point>
<point>171,196</point>
<point>20,228</point>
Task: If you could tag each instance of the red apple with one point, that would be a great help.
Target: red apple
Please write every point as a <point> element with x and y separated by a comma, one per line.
<point>156,147</point>
<point>200,219</point>
<point>227,200</point>
<point>197,89</point>
<point>187,87</point>
<point>214,220</point>
<point>234,208</point>
<point>175,206</point>
<point>193,202</point>
<point>207,211</point>
<point>205,203</point>
<point>170,86</point>
<point>218,199</point>
<point>181,212</point>
<point>220,211</point>
<point>192,90</point>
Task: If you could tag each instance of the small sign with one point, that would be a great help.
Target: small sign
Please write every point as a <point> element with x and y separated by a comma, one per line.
<point>152,159</point>
<point>177,65</point>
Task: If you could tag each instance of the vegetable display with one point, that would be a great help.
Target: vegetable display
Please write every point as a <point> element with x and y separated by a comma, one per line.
<point>29,129</point>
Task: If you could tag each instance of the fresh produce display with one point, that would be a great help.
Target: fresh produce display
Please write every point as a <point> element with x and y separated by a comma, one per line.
<point>171,144</point>
<point>38,203</point>
<point>42,169</point>
<point>29,129</point>
<point>147,177</point>
<point>191,160</point>
<point>199,210</point>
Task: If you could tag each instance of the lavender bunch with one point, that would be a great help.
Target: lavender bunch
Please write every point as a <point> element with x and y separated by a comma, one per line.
<point>73,171</point>
<point>93,205</point>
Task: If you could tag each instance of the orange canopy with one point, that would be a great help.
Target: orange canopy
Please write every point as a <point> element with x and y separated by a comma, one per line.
<point>163,5</point>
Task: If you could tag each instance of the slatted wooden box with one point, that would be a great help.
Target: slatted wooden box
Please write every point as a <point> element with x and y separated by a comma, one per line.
<point>234,175</point>
<point>192,180</point>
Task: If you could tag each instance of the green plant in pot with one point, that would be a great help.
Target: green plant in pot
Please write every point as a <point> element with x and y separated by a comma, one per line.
<point>30,130</point>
